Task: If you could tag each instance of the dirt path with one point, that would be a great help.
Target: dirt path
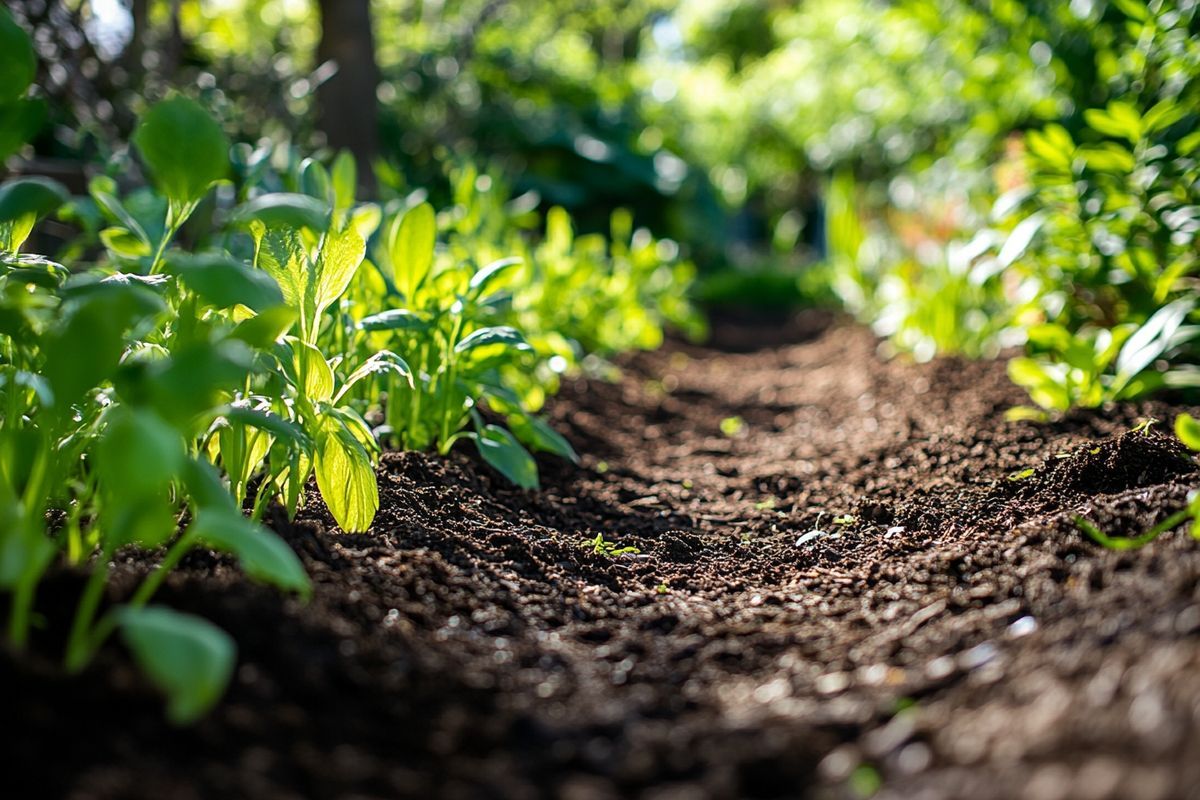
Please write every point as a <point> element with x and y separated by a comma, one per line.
<point>955,637</point>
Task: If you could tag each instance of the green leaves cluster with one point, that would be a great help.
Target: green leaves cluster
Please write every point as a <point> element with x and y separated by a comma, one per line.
<point>161,398</point>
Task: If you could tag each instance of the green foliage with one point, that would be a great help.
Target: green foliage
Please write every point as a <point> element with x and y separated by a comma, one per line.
<point>162,396</point>
<point>20,116</point>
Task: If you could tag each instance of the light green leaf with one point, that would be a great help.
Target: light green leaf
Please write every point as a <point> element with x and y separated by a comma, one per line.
<point>265,328</point>
<point>410,244</point>
<point>22,203</point>
<point>223,281</point>
<point>500,334</point>
<point>500,449</point>
<point>188,658</point>
<point>481,281</point>
<point>345,476</point>
<point>262,554</point>
<point>395,319</point>
<point>341,255</point>
<point>537,433</point>
<point>344,177</point>
<point>280,252</point>
<point>1187,428</point>
<point>314,370</point>
<point>184,148</point>
<point>284,210</point>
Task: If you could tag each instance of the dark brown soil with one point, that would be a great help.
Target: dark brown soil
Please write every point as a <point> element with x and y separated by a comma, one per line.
<point>861,588</point>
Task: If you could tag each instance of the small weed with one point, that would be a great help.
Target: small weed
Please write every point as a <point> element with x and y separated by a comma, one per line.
<point>1021,474</point>
<point>1143,427</point>
<point>765,505</point>
<point>845,519</point>
<point>662,588</point>
<point>603,547</point>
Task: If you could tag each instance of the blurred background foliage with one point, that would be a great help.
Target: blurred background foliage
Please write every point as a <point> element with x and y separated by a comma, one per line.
<point>725,125</point>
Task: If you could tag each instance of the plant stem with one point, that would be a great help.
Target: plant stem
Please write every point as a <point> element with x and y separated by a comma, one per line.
<point>78,650</point>
<point>154,580</point>
<point>21,613</point>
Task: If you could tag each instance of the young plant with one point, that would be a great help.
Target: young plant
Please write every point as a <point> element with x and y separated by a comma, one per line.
<point>446,322</point>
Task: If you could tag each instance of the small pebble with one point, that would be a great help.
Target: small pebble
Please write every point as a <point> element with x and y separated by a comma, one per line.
<point>1022,627</point>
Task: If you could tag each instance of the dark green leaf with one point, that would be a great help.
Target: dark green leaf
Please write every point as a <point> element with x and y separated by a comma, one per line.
<point>188,658</point>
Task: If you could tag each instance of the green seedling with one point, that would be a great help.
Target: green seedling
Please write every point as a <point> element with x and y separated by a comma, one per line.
<point>602,547</point>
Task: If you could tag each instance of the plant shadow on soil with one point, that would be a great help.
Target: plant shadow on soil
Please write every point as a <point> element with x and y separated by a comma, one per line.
<point>957,637</point>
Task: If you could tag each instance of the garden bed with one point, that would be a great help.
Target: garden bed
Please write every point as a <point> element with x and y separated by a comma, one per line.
<point>941,629</point>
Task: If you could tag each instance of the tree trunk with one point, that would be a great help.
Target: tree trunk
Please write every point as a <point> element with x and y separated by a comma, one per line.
<point>347,109</point>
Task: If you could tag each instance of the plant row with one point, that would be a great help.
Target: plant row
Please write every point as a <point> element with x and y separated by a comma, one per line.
<point>241,329</point>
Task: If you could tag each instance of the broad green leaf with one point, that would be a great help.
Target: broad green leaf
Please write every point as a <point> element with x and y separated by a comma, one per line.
<point>345,476</point>
<point>19,121</point>
<point>188,658</point>
<point>184,148</point>
<point>341,255</point>
<point>500,449</point>
<point>147,520</point>
<point>537,433</point>
<point>266,327</point>
<point>123,243</point>
<point>265,420</point>
<point>344,179</point>
<point>314,372</point>
<point>284,210</point>
<point>204,485</point>
<point>262,554</point>
<point>280,252</point>
<point>481,281</point>
<point>500,334</point>
<point>314,179</point>
<point>18,64</point>
<point>1150,340</point>
<point>382,363</point>
<point>195,377</point>
<point>1187,428</point>
<point>224,282</point>
<point>83,351</point>
<point>410,244</point>
<point>22,203</point>
<point>138,452</point>
<point>395,319</point>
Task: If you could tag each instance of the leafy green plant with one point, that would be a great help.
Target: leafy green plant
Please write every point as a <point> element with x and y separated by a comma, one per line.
<point>1098,365</point>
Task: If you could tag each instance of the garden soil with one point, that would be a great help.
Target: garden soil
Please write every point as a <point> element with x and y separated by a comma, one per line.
<point>855,578</point>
